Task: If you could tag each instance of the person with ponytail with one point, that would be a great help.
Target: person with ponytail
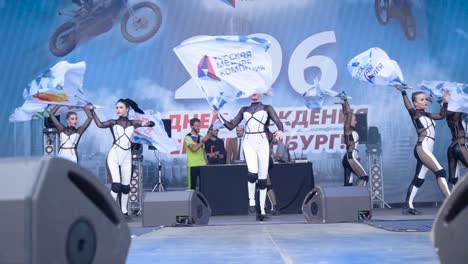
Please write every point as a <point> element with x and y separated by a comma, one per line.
<point>350,162</point>
<point>256,147</point>
<point>425,129</point>
<point>119,159</point>
<point>70,135</point>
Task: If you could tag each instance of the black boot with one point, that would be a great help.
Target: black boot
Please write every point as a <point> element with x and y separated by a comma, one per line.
<point>261,217</point>
<point>273,211</point>
<point>406,210</point>
<point>127,217</point>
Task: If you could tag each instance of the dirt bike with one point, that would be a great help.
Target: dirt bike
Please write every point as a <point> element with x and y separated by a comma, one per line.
<point>398,9</point>
<point>138,23</point>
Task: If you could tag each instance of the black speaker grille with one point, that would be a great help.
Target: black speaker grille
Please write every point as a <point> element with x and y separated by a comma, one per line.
<point>314,208</point>
<point>361,127</point>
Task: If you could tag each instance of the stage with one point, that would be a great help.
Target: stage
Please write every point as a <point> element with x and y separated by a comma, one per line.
<point>288,239</point>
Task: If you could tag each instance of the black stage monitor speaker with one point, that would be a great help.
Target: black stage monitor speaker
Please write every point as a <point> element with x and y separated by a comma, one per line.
<point>361,127</point>
<point>175,208</point>
<point>337,204</point>
<point>450,229</point>
<point>53,211</point>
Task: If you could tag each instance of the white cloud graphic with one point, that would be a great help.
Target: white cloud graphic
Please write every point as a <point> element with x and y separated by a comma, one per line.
<point>151,94</point>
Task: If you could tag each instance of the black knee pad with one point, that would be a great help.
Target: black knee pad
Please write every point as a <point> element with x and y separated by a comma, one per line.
<point>262,184</point>
<point>453,180</point>
<point>417,182</point>
<point>125,189</point>
<point>269,187</point>
<point>441,174</point>
<point>252,177</point>
<point>364,178</point>
<point>116,187</point>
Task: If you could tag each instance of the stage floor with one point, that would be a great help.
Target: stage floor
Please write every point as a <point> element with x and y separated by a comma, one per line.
<point>287,239</point>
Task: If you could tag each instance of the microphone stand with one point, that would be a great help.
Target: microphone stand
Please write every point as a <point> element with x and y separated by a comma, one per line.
<point>159,186</point>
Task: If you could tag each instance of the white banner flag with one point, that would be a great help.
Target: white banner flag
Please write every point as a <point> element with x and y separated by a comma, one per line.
<point>375,66</point>
<point>62,84</point>
<point>156,135</point>
<point>226,68</point>
<point>458,100</point>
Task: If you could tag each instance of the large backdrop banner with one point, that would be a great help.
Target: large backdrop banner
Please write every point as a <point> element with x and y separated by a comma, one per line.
<point>310,45</point>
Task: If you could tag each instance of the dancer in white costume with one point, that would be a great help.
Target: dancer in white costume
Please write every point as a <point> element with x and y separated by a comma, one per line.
<point>119,159</point>
<point>70,135</point>
<point>425,129</point>
<point>256,147</point>
<point>351,164</point>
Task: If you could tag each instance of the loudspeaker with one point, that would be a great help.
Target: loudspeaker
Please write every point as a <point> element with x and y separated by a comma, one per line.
<point>137,148</point>
<point>337,204</point>
<point>54,211</point>
<point>374,136</point>
<point>361,127</point>
<point>50,141</point>
<point>48,122</point>
<point>175,208</point>
<point>450,229</point>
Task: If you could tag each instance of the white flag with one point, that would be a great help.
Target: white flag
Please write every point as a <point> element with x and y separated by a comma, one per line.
<point>62,84</point>
<point>226,68</point>
<point>458,100</point>
<point>156,135</point>
<point>375,66</point>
